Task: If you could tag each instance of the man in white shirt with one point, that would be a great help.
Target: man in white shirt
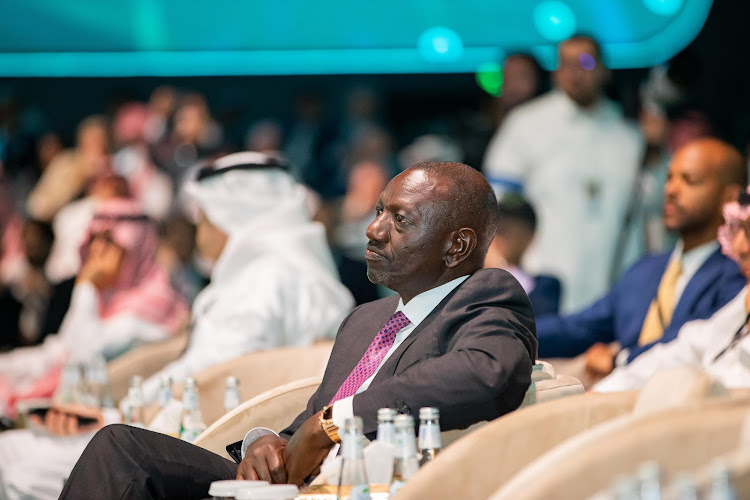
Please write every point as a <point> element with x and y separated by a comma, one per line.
<point>456,337</point>
<point>720,344</point>
<point>575,158</point>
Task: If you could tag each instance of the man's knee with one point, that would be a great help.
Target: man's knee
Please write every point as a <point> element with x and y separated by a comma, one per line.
<point>108,435</point>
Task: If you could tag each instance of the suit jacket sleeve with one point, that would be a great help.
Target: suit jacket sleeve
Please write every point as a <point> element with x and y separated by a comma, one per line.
<point>569,336</point>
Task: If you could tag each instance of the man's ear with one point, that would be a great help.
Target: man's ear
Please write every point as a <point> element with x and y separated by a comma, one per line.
<point>460,246</point>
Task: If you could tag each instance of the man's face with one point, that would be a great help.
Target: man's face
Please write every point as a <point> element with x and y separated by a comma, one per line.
<point>209,239</point>
<point>519,81</point>
<point>580,73</point>
<point>693,192</point>
<point>407,237</point>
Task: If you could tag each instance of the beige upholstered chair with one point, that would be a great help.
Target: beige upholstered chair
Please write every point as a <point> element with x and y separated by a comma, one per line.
<point>475,466</point>
<point>233,426</point>
<point>671,404</point>
<point>144,360</point>
<point>274,409</point>
<point>546,385</point>
<point>678,439</point>
<point>257,373</point>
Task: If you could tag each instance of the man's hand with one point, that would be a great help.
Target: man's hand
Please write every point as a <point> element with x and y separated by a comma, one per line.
<point>264,460</point>
<point>306,450</point>
<point>63,420</point>
<point>600,360</point>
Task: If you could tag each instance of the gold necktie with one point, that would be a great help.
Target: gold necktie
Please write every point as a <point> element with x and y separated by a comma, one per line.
<point>660,313</point>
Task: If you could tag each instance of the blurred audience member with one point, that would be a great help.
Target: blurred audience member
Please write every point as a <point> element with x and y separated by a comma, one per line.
<point>177,256</point>
<point>72,221</point>
<point>305,138</point>
<point>575,158</point>
<point>515,231</point>
<point>658,294</point>
<point>26,289</point>
<point>430,148</point>
<point>161,107</point>
<point>69,172</point>
<point>357,210</point>
<point>121,297</point>
<point>264,136</point>
<point>151,188</point>
<point>195,135</point>
<point>523,79</point>
<point>719,344</point>
<point>273,283</point>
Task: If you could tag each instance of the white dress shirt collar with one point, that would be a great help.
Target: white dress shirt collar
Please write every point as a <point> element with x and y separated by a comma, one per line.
<point>693,259</point>
<point>418,308</point>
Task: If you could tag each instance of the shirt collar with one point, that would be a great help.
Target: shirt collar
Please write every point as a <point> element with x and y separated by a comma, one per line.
<point>693,259</point>
<point>422,305</point>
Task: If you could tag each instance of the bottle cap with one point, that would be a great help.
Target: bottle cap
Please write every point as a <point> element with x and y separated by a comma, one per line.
<point>271,492</point>
<point>231,487</point>
<point>136,381</point>
<point>232,381</point>
<point>353,424</point>
<point>190,383</point>
<point>428,412</point>
<point>386,414</point>
<point>402,421</point>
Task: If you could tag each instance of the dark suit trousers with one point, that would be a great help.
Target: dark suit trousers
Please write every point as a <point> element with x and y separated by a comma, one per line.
<point>124,462</point>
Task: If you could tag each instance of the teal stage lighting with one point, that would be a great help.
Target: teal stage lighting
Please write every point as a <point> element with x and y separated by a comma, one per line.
<point>255,37</point>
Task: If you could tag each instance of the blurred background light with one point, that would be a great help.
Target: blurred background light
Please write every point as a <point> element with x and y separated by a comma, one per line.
<point>191,38</point>
<point>664,7</point>
<point>554,20</point>
<point>440,44</point>
<point>490,78</point>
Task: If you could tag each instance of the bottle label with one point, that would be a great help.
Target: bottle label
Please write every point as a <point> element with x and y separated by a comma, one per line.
<point>360,492</point>
<point>429,437</point>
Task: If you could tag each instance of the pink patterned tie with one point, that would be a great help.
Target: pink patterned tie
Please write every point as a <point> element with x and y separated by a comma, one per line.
<point>372,358</point>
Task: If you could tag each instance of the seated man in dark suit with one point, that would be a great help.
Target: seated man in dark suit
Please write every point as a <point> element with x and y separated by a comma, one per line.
<point>658,294</point>
<point>456,337</point>
<point>515,231</point>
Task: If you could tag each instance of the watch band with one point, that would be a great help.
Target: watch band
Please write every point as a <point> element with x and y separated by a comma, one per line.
<point>326,422</point>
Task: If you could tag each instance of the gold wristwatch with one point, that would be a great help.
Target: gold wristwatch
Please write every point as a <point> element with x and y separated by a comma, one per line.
<point>326,422</point>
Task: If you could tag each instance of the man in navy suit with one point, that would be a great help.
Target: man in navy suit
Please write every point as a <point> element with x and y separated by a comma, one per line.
<point>659,293</point>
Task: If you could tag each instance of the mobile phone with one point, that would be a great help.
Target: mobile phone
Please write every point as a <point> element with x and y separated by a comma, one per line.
<point>235,451</point>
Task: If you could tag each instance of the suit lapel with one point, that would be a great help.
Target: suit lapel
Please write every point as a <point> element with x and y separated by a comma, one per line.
<point>703,278</point>
<point>389,367</point>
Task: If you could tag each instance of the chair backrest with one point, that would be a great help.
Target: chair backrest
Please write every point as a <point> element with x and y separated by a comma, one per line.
<point>676,438</point>
<point>143,360</point>
<point>475,465</point>
<point>545,386</point>
<point>274,409</point>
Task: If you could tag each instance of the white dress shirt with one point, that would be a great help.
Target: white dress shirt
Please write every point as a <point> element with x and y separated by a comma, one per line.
<point>416,310</point>
<point>700,343</point>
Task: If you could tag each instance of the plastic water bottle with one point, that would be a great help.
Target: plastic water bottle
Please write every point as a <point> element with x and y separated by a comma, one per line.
<point>406,464</point>
<point>192,421</point>
<point>134,414</point>
<point>164,395</point>
<point>232,397</point>
<point>353,479</point>
<point>429,434</point>
<point>721,483</point>
<point>649,476</point>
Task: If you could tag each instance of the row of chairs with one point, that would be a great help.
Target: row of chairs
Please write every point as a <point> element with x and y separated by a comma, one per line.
<point>571,446</point>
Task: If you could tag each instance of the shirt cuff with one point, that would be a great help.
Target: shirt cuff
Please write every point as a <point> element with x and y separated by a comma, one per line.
<point>253,435</point>
<point>342,409</point>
